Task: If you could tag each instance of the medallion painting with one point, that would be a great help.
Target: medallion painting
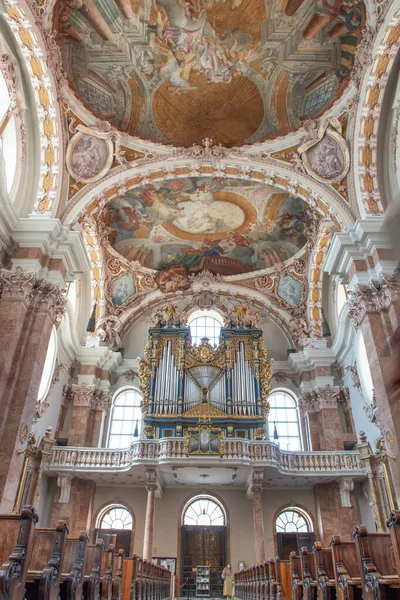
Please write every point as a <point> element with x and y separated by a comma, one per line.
<point>187,225</point>
<point>179,71</point>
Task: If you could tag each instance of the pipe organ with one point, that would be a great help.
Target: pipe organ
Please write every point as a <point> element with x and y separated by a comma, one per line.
<point>224,385</point>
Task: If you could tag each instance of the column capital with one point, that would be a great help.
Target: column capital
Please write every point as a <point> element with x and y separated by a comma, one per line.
<point>17,285</point>
<point>372,298</point>
<point>88,395</point>
<point>50,297</point>
<point>328,396</point>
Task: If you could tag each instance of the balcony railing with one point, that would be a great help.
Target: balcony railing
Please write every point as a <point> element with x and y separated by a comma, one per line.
<point>233,452</point>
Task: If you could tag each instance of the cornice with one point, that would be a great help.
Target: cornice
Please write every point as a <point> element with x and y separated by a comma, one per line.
<point>358,243</point>
<point>54,239</point>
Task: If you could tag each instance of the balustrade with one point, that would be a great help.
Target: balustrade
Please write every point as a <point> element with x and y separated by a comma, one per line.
<point>260,453</point>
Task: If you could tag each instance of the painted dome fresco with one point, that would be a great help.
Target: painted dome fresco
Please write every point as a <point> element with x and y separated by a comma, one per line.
<point>183,226</point>
<point>237,71</point>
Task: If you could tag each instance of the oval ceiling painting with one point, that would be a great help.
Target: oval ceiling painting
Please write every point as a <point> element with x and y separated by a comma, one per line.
<point>236,71</point>
<point>194,224</point>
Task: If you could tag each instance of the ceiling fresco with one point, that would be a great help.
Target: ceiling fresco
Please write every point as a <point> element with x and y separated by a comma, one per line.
<point>236,71</point>
<point>184,226</point>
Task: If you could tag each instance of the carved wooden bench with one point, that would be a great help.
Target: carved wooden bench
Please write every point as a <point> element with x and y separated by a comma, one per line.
<point>297,581</point>
<point>272,579</point>
<point>378,570</point>
<point>44,571</point>
<point>325,572</point>
<point>117,570</point>
<point>91,570</point>
<point>347,569</point>
<point>309,574</point>
<point>394,528</point>
<point>129,578</point>
<point>16,542</point>
<point>106,568</point>
<point>71,582</point>
<point>283,579</point>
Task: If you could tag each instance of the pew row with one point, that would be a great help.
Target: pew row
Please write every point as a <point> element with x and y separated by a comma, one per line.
<point>366,568</point>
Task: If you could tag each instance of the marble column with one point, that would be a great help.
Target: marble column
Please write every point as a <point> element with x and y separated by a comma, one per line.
<point>322,404</point>
<point>374,309</point>
<point>88,403</point>
<point>258,517</point>
<point>151,487</point>
<point>29,308</point>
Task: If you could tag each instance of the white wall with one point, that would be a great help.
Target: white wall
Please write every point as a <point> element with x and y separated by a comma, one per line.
<point>240,514</point>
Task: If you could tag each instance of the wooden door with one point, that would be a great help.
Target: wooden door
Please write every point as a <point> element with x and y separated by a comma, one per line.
<point>203,546</point>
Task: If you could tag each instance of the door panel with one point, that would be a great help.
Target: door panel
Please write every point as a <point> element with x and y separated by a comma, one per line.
<point>203,546</point>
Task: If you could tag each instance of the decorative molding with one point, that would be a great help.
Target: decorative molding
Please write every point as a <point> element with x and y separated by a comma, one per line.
<point>16,284</point>
<point>373,298</point>
<point>64,483</point>
<point>346,486</point>
<point>323,397</point>
<point>89,396</point>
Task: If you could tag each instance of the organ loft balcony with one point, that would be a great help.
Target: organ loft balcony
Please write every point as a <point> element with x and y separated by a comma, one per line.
<point>205,417</point>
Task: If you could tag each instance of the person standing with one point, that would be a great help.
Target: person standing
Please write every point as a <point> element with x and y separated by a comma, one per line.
<point>227,577</point>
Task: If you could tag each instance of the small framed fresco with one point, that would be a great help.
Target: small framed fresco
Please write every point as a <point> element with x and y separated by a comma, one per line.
<point>122,289</point>
<point>290,290</point>
<point>328,160</point>
<point>89,157</point>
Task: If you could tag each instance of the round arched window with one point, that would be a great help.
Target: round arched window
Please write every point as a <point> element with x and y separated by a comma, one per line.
<point>204,510</point>
<point>363,368</point>
<point>205,324</point>
<point>116,517</point>
<point>126,417</point>
<point>293,520</point>
<point>283,420</point>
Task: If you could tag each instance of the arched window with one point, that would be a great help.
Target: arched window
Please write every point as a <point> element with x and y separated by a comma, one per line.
<point>283,420</point>
<point>114,526</point>
<point>49,366</point>
<point>293,520</point>
<point>72,294</point>
<point>341,297</point>
<point>8,134</point>
<point>205,323</point>
<point>204,511</point>
<point>364,371</point>
<point>126,416</point>
<point>116,517</point>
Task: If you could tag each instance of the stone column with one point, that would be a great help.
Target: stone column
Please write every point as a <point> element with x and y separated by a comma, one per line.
<point>258,517</point>
<point>88,403</point>
<point>151,477</point>
<point>322,404</point>
<point>373,308</point>
<point>335,517</point>
<point>29,308</point>
<point>74,504</point>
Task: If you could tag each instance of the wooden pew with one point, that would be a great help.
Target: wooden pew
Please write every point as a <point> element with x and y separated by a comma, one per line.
<point>91,570</point>
<point>106,572</point>
<point>44,572</point>
<point>16,542</point>
<point>129,578</point>
<point>394,528</point>
<point>309,574</point>
<point>272,579</point>
<point>297,581</point>
<point>347,570</point>
<point>71,582</point>
<point>117,571</point>
<point>326,589</point>
<point>283,579</point>
<point>378,571</point>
